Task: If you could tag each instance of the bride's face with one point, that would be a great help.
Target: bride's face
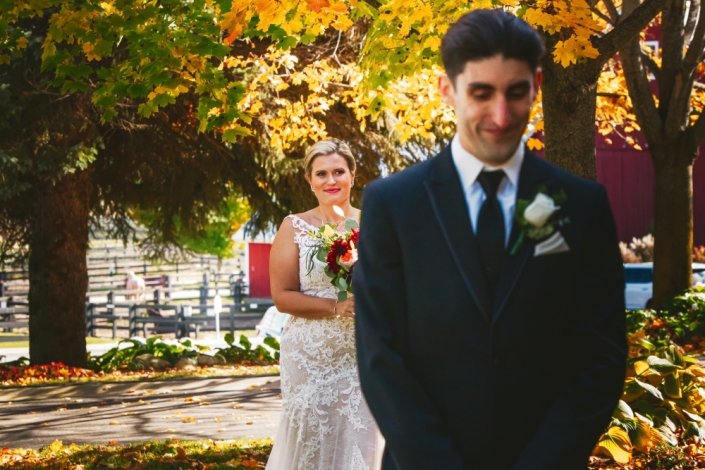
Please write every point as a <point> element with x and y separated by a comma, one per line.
<point>331,179</point>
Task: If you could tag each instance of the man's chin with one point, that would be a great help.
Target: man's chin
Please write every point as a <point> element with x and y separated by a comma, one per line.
<point>499,155</point>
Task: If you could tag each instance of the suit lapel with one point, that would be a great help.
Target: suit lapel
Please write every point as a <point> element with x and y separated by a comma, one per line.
<point>530,177</point>
<point>450,208</point>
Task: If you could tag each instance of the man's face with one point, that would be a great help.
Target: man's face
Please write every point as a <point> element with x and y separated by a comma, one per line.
<point>492,99</point>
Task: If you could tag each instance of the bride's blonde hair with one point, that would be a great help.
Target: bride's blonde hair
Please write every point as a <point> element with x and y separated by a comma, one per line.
<point>328,147</point>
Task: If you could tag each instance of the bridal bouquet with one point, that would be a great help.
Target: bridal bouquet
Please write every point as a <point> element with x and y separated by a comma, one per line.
<point>339,253</point>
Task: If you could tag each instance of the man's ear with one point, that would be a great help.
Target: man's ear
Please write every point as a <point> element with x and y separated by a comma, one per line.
<point>446,89</point>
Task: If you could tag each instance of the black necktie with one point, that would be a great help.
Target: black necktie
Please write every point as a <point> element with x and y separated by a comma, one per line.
<point>490,229</point>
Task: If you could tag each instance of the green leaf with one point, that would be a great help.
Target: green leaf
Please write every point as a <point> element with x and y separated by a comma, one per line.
<point>137,90</point>
<point>163,99</point>
<point>245,343</point>
<point>672,386</point>
<point>229,339</point>
<point>232,134</point>
<point>377,104</point>
<point>341,284</point>
<point>351,224</point>
<point>660,365</point>
<point>272,343</point>
<point>623,411</point>
<point>653,391</point>
<point>342,296</point>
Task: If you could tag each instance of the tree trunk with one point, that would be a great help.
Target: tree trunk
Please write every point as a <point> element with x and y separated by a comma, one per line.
<point>673,219</point>
<point>58,276</point>
<point>569,101</point>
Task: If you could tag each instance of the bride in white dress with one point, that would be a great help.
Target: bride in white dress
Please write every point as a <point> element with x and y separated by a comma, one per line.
<point>325,422</point>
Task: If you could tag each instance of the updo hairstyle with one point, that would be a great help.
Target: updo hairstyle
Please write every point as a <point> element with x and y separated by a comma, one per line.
<point>328,147</point>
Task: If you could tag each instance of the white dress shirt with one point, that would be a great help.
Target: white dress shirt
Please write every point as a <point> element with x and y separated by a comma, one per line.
<point>469,168</point>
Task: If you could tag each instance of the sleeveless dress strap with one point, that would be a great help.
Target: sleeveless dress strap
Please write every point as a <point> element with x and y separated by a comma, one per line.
<point>300,223</point>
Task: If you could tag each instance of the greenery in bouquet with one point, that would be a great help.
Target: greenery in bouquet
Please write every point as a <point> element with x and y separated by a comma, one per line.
<point>338,251</point>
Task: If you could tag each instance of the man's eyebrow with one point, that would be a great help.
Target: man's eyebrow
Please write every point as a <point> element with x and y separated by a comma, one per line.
<point>521,84</point>
<point>480,86</point>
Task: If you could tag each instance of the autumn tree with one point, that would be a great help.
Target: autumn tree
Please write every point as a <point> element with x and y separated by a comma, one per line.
<point>672,124</point>
<point>96,135</point>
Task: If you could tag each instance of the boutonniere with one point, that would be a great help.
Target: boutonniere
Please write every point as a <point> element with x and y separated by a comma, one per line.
<point>538,219</point>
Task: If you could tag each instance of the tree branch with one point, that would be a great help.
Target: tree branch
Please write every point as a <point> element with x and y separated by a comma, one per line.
<point>612,10</point>
<point>651,64</point>
<point>693,11</point>
<point>603,16</point>
<point>695,48</point>
<point>628,27</point>
<point>637,81</point>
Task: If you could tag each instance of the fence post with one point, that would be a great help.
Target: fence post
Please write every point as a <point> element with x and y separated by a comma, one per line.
<point>156,296</point>
<point>144,268</point>
<point>89,320</point>
<point>204,293</point>
<point>167,281</point>
<point>232,319</point>
<point>111,303</point>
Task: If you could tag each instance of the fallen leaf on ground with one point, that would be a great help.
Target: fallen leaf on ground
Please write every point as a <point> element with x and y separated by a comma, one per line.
<point>180,453</point>
<point>115,421</point>
<point>250,422</point>
<point>188,420</point>
<point>112,443</point>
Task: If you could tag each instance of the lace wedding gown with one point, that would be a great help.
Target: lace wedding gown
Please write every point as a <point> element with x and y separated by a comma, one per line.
<point>325,422</point>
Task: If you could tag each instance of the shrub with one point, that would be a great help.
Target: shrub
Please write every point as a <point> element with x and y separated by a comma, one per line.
<point>663,402</point>
<point>125,357</point>
<point>640,250</point>
<point>699,254</point>
<point>245,354</point>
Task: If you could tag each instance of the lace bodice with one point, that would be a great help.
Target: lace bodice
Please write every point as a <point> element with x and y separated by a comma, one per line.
<point>325,422</point>
<point>315,283</point>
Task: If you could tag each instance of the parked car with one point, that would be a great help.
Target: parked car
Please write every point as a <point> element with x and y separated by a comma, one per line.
<point>639,283</point>
<point>272,323</point>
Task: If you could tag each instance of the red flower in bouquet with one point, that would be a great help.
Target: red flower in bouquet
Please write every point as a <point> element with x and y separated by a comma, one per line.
<point>339,253</point>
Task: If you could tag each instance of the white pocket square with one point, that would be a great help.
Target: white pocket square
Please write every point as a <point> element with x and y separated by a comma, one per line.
<point>553,244</point>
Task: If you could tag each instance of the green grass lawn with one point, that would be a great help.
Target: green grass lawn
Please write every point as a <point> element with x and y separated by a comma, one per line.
<point>238,454</point>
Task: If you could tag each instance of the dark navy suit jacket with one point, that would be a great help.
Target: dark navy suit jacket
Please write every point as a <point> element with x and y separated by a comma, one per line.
<point>456,380</point>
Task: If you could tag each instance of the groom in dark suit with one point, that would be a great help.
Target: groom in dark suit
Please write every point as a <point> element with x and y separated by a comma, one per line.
<point>489,289</point>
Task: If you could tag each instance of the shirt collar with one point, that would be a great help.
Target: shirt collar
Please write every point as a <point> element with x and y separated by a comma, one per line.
<point>469,167</point>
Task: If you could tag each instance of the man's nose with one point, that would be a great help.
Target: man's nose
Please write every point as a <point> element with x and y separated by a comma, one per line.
<point>500,113</point>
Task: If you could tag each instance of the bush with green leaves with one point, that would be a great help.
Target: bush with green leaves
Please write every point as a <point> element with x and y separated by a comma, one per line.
<point>246,354</point>
<point>663,402</point>
<point>685,315</point>
<point>118,356</point>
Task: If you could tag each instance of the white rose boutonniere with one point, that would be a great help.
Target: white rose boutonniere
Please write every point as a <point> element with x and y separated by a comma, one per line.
<point>538,218</point>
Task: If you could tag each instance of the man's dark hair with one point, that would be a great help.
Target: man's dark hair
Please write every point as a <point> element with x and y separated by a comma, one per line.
<point>482,34</point>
